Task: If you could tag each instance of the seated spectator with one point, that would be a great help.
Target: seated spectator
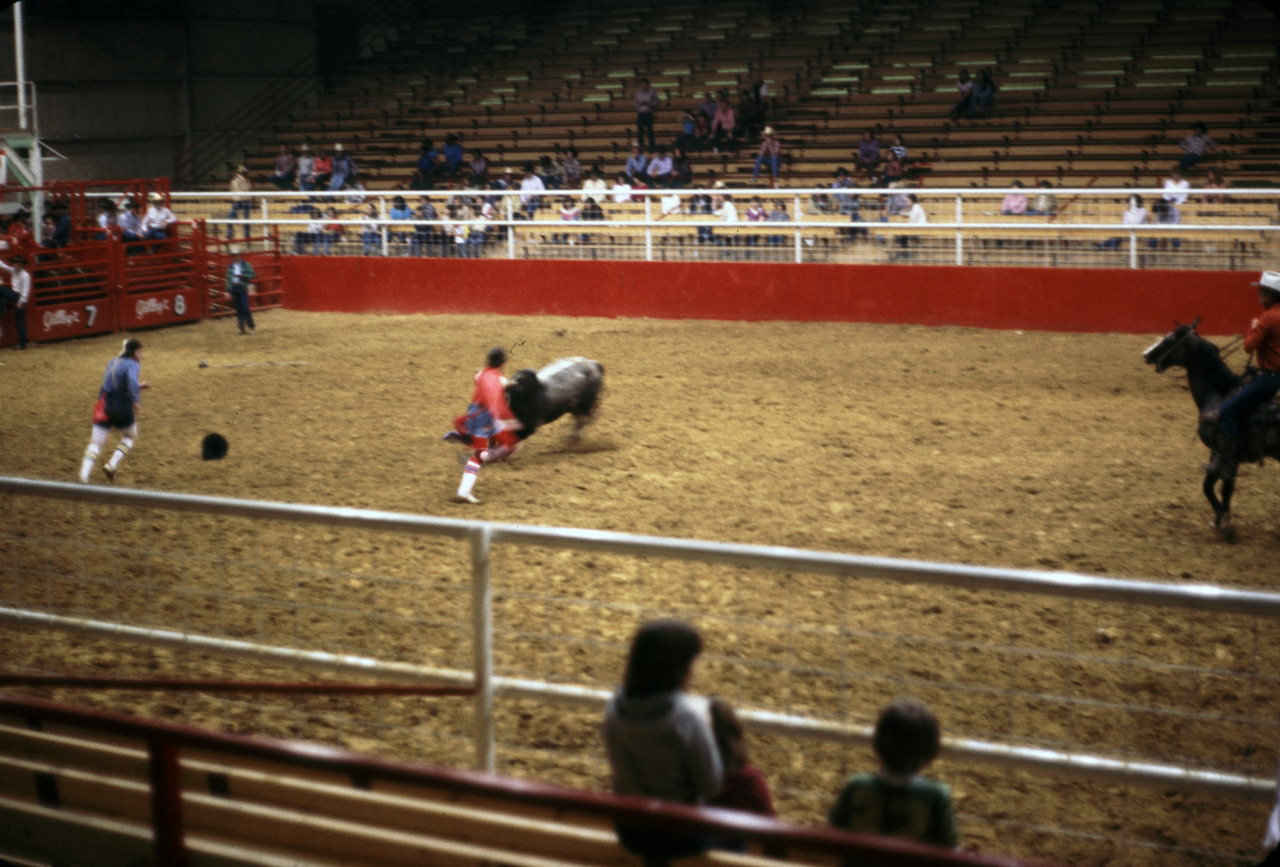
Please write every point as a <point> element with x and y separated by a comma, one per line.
<point>550,172</point>
<point>594,187</point>
<point>671,205</point>
<point>283,173</point>
<point>724,125</point>
<point>158,223</point>
<point>130,225</point>
<point>306,170</point>
<point>240,203</point>
<point>964,84</point>
<point>723,206</point>
<point>310,235</point>
<point>452,155</point>
<point>1134,215</point>
<point>745,787</point>
<point>323,169</point>
<point>748,122</point>
<point>592,211</point>
<point>778,215</point>
<point>636,167</point>
<point>899,149</point>
<point>658,738</point>
<point>1166,212</point>
<point>531,186</point>
<point>1195,146</point>
<point>569,213</point>
<point>57,234</point>
<point>477,231</point>
<point>400,211</point>
<point>331,233</point>
<point>868,154</point>
<point>897,801</point>
<point>770,154</point>
<point>984,93</point>
<point>823,203</point>
<point>1015,203</point>
<point>426,236</point>
<point>859,229</point>
<point>371,232</point>
<point>892,174</point>
<point>572,169</point>
<point>916,216</point>
<point>428,154</point>
<point>1213,181</point>
<point>342,169</point>
<point>659,168</point>
<point>710,105</point>
<point>621,189</point>
<point>479,174</point>
<point>1176,189</point>
<point>107,224</point>
<point>1046,203</point>
<point>688,138</point>
<point>701,132</point>
<point>755,213</point>
<point>681,169</point>
<point>843,202</point>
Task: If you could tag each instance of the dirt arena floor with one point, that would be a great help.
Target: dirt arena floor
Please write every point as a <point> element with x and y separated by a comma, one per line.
<point>1027,450</point>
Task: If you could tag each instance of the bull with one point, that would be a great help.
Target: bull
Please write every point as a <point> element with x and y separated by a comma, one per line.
<point>566,385</point>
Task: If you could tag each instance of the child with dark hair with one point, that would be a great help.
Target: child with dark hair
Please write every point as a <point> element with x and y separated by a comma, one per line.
<point>897,801</point>
<point>658,737</point>
<point>745,787</point>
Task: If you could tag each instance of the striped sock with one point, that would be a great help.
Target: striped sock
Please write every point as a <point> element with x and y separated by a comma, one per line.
<point>469,475</point>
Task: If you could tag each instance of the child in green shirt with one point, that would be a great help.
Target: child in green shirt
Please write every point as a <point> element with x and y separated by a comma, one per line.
<point>897,801</point>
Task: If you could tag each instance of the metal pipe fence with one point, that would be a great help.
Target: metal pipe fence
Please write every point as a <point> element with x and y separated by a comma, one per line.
<point>1212,229</point>
<point>1091,674</point>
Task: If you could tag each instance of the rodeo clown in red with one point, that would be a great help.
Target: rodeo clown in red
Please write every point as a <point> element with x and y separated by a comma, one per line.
<point>488,425</point>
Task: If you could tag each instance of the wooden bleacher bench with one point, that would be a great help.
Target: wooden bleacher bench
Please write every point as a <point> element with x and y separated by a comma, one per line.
<point>74,796</point>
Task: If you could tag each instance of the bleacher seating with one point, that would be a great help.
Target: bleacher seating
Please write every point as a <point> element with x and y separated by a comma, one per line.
<point>1090,94</point>
<point>83,787</point>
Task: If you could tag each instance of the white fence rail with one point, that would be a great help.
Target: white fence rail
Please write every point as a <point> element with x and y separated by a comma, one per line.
<point>509,637</point>
<point>1220,229</point>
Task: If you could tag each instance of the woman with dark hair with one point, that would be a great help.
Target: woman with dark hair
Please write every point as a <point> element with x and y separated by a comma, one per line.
<point>659,739</point>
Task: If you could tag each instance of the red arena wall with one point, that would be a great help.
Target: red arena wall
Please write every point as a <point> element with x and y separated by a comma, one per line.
<point>1129,301</point>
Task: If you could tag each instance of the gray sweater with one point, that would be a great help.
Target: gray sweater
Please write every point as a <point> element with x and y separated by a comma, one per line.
<point>662,747</point>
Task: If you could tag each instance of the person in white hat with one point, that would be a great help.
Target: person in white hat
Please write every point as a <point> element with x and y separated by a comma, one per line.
<point>344,169</point>
<point>1262,341</point>
<point>770,152</point>
<point>158,221</point>
<point>240,203</point>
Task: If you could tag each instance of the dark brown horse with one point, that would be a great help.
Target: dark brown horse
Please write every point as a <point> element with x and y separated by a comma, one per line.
<point>1211,382</point>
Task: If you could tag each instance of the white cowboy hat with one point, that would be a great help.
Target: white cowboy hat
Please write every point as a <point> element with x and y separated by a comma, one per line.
<point>1269,280</point>
<point>155,197</point>
<point>768,130</point>
<point>337,147</point>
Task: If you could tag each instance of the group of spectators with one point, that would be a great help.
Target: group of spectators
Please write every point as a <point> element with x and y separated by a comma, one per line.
<point>665,742</point>
<point>310,170</point>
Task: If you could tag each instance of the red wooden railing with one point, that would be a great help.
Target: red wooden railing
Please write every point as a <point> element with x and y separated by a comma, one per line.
<point>166,741</point>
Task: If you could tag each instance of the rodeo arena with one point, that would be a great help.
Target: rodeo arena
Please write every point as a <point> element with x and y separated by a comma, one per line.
<point>708,432</point>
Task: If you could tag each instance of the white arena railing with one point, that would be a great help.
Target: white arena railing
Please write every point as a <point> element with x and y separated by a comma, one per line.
<point>496,647</point>
<point>1236,229</point>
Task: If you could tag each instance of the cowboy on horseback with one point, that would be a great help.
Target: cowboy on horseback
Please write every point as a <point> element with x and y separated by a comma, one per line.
<point>1263,342</point>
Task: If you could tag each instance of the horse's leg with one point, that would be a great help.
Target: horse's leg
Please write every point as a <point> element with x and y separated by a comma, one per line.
<point>1225,525</point>
<point>1211,480</point>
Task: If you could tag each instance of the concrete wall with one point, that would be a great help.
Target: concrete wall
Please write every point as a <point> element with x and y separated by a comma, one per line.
<point>121,98</point>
